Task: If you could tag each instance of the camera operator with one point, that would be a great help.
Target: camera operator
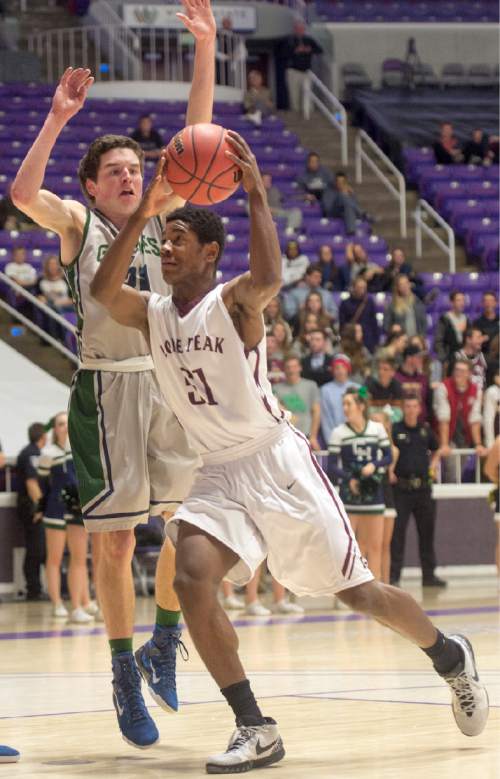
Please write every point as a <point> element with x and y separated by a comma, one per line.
<point>413,475</point>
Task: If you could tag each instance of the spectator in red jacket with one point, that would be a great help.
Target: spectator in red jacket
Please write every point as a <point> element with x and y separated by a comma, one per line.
<point>457,407</point>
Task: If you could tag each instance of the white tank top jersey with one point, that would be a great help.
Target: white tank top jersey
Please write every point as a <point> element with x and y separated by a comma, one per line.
<point>103,343</point>
<point>217,389</point>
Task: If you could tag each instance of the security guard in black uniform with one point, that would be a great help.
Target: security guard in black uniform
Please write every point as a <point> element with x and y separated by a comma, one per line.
<point>28,499</point>
<point>413,491</point>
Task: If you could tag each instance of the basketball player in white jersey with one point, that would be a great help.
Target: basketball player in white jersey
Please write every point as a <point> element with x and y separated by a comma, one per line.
<point>130,453</point>
<point>260,492</point>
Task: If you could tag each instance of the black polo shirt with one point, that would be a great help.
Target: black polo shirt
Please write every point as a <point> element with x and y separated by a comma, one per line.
<point>27,464</point>
<point>414,444</point>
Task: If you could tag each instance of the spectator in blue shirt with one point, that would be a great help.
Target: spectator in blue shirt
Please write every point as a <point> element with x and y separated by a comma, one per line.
<point>295,298</point>
<point>332,412</point>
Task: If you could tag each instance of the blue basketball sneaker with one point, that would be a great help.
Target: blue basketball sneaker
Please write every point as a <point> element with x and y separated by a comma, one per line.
<point>156,661</point>
<point>8,755</point>
<point>137,727</point>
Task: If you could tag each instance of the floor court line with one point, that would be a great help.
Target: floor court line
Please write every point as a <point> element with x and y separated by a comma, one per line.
<point>244,623</point>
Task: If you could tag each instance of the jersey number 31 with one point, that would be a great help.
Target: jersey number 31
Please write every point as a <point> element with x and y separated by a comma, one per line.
<point>196,396</point>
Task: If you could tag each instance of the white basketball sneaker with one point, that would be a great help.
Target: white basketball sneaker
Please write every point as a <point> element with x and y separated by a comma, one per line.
<point>60,611</point>
<point>256,609</point>
<point>469,697</point>
<point>80,616</point>
<point>287,607</point>
<point>250,746</point>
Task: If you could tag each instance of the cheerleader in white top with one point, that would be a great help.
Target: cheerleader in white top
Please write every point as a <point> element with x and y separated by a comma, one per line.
<point>361,453</point>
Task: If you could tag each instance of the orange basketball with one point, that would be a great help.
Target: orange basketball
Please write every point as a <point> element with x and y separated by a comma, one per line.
<point>198,169</point>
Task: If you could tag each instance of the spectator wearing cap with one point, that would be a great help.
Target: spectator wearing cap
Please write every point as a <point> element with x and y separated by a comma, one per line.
<point>457,409</point>
<point>332,411</point>
<point>359,308</point>
<point>488,321</point>
<point>295,298</point>
<point>473,354</point>
<point>385,389</point>
<point>148,138</point>
<point>414,381</point>
<point>450,329</point>
<point>316,364</point>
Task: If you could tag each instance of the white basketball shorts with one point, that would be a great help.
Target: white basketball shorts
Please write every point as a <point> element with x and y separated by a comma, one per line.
<point>277,503</point>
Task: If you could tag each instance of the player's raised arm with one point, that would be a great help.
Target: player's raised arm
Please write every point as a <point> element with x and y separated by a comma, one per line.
<point>43,206</point>
<point>199,20</point>
<point>126,305</point>
<point>250,293</point>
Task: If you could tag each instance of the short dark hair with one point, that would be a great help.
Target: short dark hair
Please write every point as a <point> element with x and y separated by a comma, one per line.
<point>315,267</point>
<point>144,116</point>
<point>388,361</point>
<point>470,330</point>
<point>411,396</point>
<point>206,225</point>
<point>88,167</point>
<point>490,292</point>
<point>35,432</point>
<point>312,154</point>
<point>456,292</point>
<point>341,173</point>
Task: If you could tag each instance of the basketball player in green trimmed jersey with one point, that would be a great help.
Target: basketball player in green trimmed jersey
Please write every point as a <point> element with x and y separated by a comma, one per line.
<point>131,455</point>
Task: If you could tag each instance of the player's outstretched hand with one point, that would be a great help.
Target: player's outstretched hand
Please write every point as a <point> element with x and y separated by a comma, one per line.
<point>159,192</point>
<point>199,19</point>
<point>244,158</point>
<point>71,92</point>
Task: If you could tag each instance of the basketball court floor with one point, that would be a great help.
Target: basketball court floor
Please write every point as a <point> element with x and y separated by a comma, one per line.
<point>353,700</point>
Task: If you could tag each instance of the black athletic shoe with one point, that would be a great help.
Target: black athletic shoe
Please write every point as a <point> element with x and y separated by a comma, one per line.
<point>434,581</point>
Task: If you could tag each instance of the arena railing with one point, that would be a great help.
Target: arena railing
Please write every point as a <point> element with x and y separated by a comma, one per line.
<point>440,490</point>
<point>325,103</point>
<point>361,156</point>
<point>422,212</point>
<point>18,290</point>
<point>116,52</point>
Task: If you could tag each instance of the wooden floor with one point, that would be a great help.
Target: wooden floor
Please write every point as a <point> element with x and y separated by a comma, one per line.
<point>352,700</point>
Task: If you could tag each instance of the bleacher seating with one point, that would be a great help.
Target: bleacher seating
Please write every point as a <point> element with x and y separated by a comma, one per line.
<point>369,11</point>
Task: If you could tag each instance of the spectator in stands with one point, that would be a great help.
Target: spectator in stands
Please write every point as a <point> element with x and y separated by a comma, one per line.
<point>358,264</point>
<point>491,410</point>
<point>450,329</point>
<point>351,344</point>
<point>488,321</point>
<point>53,288</point>
<point>11,218</point>
<point>414,381</point>
<point>457,409</point>
<point>275,360</point>
<point>230,55</point>
<point>384,388</point>
<point>293,216</point>
<point>431,366</point>
<point>272,313</point>
<point>399,264</point>
<point>294,264</point>
<point>447,149</point>
<point>296,297</point>
<point>492,360</point>
<point>283,334</point>
<point>298,49</point>
<point>313,304</point>
<point>308,322</point>
<point>332,393</point>
<point>405,309</point>
<point>330,271</point>
<point>345,204</point>
<point>23,273</point>
<point>476,150</point>
<point>148,138</point>
<point>29,512</point>
<point>317,183</point>
<point>472,353</point>
<point>300,397</point>
<point>359,308</point>
<point>257,100</point>
<point>316,364</point>
<point>394,346</point>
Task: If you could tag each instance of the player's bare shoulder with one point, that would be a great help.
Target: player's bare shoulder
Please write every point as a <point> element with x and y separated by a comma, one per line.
<point>73,233</point>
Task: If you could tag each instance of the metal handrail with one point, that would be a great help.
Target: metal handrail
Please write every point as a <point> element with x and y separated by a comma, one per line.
<point>19,290</point>
<point>308,98</point>
<point>116,52</point>
<point>422,226</point>
<point>38,330</point>
<point>361,156</point>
